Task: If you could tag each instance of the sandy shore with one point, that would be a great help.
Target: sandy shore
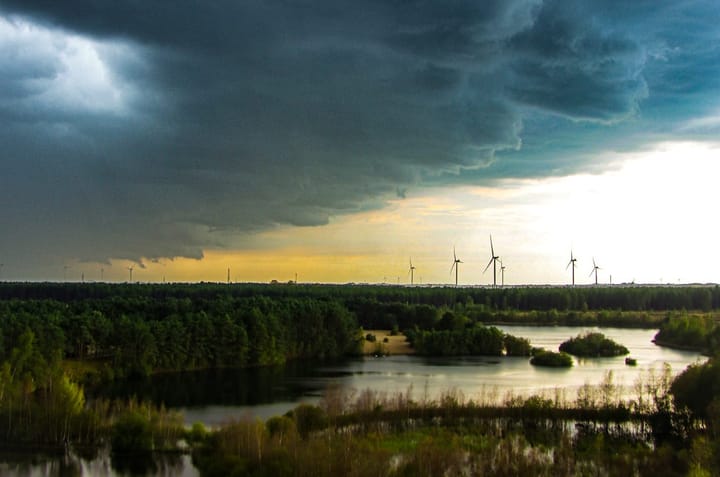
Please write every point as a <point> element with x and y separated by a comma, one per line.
<point>395,344</point>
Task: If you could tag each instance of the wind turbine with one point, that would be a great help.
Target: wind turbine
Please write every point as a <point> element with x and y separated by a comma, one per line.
<point>493,260</point>
<point>455,265</point>
<point>130,269</point>
<point>594,270</point>
<point>572,262</point>
<point>411,272</point>
<point>502,274</point>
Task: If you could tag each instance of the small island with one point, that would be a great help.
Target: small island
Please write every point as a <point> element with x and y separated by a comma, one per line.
<point>593,345</point>
<point>543,357</point>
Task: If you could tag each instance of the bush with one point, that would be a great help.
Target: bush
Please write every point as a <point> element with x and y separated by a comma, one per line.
<point>593,345</point>
<point>516,346</point>
<point>550,358</point>
<point>309,418</point>
<point>131,433</point>
<point>197,434</point>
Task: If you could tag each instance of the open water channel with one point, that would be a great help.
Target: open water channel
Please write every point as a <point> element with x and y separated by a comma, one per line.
<point>216,396</point>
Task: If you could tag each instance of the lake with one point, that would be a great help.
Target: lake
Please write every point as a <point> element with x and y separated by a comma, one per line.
<point>216,396</point>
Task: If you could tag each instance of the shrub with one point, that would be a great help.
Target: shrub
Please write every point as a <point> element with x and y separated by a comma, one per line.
<point>131,433</point>
<point>550,358</point>
<point>593,345</point>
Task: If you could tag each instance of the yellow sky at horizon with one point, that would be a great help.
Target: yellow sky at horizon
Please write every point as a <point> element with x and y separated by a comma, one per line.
<point>646,219</point>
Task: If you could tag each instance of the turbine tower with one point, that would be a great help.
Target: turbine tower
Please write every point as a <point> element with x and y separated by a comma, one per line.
<point>594,270</point>
<point>493,260</point>
<point>572,262</point>
<point>411,272</point>
<point>455,265</point>
<point>502,274</point>
<point>130,269</point>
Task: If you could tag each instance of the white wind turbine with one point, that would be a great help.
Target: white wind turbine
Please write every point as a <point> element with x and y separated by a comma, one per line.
<point>594,270</point>
<point>456,266</point>
<point>572,262</point>
<point>493,260</point>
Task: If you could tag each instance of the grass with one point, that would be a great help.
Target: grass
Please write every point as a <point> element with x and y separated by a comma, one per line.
<point>395,345</point>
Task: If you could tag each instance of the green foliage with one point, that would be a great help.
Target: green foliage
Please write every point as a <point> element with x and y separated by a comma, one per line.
<point>698,389</point>
<point>516,346</point>
<point>477,340</point>
<point>532,436</point>
<point>197,434</point>
<point>593,344</point>
<point>683,330</point>
<point>551,359</point>
<point>131,433</point>
<point>309,418</point>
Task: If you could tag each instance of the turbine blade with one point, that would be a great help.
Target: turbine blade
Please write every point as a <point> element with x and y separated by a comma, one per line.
<point>568,265</point>
<point>488,265</point>
<point>492,250</point>
<point>453,265</point>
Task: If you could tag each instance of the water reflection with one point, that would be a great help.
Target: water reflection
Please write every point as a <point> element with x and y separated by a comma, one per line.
<point>214,397</point>
<point>101,464</point>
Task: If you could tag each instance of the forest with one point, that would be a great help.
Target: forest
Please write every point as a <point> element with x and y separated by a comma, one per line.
<point>56,339</point>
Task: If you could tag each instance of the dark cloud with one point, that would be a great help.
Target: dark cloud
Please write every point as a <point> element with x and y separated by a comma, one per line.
<point>144,129</point>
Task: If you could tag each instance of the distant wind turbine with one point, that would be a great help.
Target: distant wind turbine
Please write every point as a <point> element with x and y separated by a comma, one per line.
<point>456,266</point>
<point>594,270</point>
<point>502,274</point>
<point>572,262</point>
<point>493,260</point>
<point>411,272</point>
<point>65,269</point>
<point>130,269</point>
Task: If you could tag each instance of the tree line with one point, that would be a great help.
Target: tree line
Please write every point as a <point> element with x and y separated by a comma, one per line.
<point>618,297</point>
<point>134,336</point>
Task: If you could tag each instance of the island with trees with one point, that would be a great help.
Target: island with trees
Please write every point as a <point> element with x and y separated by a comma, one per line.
<point>593,345</point>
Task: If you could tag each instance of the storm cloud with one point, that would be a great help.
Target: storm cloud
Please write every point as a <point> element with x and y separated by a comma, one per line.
<point>146,130</point>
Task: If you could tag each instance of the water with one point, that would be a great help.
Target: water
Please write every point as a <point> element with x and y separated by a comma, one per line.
<point>214,397</point>
<point>102,465</point>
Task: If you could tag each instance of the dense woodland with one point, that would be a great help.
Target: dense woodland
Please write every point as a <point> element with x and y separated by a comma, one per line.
<point>57,338</point>
<point>136,329</point>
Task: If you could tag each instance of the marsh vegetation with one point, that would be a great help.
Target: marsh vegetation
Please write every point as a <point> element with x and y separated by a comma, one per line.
<point>56,341</point>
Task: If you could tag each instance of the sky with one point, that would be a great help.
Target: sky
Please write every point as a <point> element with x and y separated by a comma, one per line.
<point>340,140</point>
